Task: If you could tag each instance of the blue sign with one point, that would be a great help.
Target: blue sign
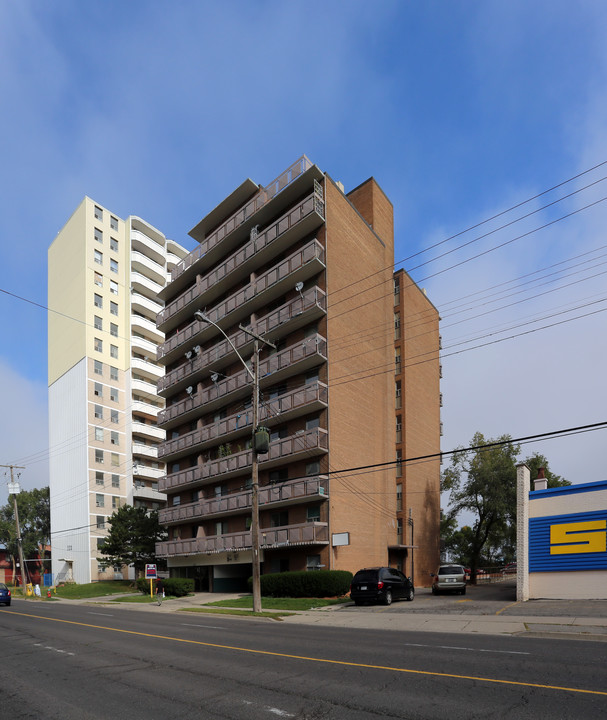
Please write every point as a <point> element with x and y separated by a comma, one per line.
<point>568,542</point>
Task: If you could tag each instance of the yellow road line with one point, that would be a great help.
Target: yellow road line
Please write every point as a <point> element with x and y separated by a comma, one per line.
<point>343,663</point>
<point>507,606</point>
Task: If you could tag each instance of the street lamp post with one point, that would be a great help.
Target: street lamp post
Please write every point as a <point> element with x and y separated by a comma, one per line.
<point>254,374</point>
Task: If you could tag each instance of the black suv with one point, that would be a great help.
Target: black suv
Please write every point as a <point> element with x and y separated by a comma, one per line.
<point>380,584</point>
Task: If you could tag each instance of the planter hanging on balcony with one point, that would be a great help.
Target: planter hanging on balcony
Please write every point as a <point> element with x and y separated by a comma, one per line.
<point>261,440</point>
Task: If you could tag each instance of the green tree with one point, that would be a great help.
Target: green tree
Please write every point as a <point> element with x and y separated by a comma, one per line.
<point>132,539</point>
<point>33,507</point>
<point>483,481</point>
<point>535,462</point>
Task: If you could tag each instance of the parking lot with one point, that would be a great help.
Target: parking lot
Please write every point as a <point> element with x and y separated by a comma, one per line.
<point>487,599</point>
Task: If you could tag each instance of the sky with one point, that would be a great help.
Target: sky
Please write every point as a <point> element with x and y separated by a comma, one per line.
<point>459,110</point>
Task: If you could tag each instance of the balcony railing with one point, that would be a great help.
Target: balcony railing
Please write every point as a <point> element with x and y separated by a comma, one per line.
<point>313,533</point>
<point>239,259</point>
<point>283,493</point>
<point>312,298</point>
<point>285,450</point>
<point>312,347</point>
<point>245,212</point>
<point>303,397</point>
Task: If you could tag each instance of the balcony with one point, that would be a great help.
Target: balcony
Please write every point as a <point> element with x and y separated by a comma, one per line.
<point>302,401</point>
<point>297,313</point>
<point>144,306</point>
<point>144,346</point>
<point>287,536</point>
<point>141,263</point>
<point>299,221</point>
<point>147,246</point>
<point>295,447</point>
<point>295,359</point>
<point>142,492</point>
<point>147,369</point>
<point>236,228</point>
<point>147,472</point>
<point>298,267</point>
<point>149,431</point>
<point>290,492</point>
<point>148,451</point>
<point>143,388</point>
<point>143,326</point>
<point>145,408</point>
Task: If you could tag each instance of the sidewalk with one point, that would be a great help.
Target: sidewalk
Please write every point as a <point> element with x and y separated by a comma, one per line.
<point>398,618</point>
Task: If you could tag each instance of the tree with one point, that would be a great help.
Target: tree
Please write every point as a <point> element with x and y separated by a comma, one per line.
<point>537,461</point>
<point>483,481</point>
<point>134,532</point>
<point>33,507</point>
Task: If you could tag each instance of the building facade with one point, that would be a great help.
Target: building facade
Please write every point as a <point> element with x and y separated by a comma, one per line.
<point>308,268</point>
<point>418,428</point>
<point>104,278</point>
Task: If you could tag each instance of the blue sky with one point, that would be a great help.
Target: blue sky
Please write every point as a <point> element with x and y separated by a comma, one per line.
<point>458,109</point>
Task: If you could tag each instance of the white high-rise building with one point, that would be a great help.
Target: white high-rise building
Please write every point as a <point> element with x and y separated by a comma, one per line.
<point>104,276</point>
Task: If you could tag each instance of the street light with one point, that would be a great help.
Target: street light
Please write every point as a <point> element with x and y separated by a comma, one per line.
<point>254,374</point>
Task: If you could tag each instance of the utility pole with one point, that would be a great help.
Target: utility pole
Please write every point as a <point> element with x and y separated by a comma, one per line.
<point>14,490</point>
<point>254,374</point>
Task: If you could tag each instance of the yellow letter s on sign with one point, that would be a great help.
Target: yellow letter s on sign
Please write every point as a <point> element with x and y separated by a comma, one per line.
<point>578,537</point>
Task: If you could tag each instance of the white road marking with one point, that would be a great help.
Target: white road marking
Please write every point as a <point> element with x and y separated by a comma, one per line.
<point>455,647</point>
<point>102,614</point>
<point>280,713</point>
<point>213,627</point>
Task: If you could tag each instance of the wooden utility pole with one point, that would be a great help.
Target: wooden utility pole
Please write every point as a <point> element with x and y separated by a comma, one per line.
<point>14,490</point>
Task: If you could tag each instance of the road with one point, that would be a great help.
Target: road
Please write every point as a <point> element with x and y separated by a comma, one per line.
<point>86,662</point>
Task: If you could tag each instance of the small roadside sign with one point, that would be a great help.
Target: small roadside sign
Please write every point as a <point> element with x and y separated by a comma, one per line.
<point>150,572</point>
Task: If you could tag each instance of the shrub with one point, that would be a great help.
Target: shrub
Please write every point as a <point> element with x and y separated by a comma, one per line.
<point>306,583</point>
<point>177,587</point>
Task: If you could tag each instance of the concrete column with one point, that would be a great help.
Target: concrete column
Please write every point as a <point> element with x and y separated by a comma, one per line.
<point>522,532</point>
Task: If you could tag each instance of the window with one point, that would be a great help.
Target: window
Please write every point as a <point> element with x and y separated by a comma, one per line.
<point>98,213</point>
<point>396,291</point>
<point>399,463</point>
<point>399,497</point>
<point>397,361</point>
<point>114,416</point>
<point>114,440</point>
<point>114,394</point>
<point>279,475</point>
<point>98,367</point>
<point>98,322</point>
<point>98,257</point>
<point>99,456</point>
<point>176,500</point>
<point>312,423</point>
<point>313,514</point>
<point>98,390</point>
<point>113,244</point>
<point>114,351</point>
<point>98,236</point>
<point>399,529</point>
<point>247,523</point>
<point>113,287</point>
<point>115,458</point>
<point>98,301</point>
<point>114,308</point>
<point>99,434</point>
<point>312,377</point>
<point>313,468</point>
<point>279,519</point>
<point>114,265</point>
<point>115,481</point>
<point>113,373</point>
<point>221,528</point>
<point>100,542</point>
<point>99,500</point>
<point>113,222</point>
<point>396,326</point>
<point>278,433</point>
<point>399,402</point>
<point>98,345</point>
<point>114,329</point>
<point>98,279</point>
<point>98,412</point>
<point>100,522</point>
<point>99,478</point>
<point>399,429</point>
<point>115,502</point>
<point>313,562</point>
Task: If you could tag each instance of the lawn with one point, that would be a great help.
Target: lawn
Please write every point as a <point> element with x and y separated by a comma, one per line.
<point>270,603</point>
<point>98,589</point>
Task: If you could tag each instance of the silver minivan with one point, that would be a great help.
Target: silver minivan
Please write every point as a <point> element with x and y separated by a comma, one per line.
<point>449,578</point>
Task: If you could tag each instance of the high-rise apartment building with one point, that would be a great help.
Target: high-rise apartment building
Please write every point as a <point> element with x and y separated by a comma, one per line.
<point>308,267</point>
<point>418,427</point>
<point>104,278</point>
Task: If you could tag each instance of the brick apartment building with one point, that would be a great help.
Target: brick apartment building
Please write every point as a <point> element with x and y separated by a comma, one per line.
<point>309,268</point>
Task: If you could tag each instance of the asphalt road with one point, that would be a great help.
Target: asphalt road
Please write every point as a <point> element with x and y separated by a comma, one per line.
<point>82,662</point>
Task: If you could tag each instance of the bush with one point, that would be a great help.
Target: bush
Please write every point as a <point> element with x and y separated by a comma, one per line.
<point>306,583</point>
<point>177,587</point>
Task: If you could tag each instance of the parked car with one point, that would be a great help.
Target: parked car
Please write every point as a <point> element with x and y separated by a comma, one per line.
<point>449,578</point>
<point>5,595</point>
<point>510,568</point>
<point>381,584</point>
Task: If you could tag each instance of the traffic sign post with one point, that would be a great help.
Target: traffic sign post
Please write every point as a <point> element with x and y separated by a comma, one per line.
<point>151,574</point>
